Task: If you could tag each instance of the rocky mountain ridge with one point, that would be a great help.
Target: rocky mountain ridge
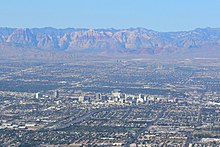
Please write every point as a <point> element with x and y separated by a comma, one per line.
<point>133,40</point>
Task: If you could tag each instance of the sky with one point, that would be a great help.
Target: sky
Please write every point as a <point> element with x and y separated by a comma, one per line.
<point>159,15</point>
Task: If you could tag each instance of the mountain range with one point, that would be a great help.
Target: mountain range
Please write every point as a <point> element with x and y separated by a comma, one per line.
<point>50,41</point>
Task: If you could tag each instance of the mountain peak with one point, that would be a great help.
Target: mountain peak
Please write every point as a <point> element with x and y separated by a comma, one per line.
<point>131,40</point>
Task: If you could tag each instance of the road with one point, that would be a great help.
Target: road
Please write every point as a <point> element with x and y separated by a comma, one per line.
<point>72,120</point>
<point>145,128</point>
<point>189,139</point>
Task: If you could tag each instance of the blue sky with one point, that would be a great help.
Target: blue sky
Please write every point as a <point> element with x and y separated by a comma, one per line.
<point>160,15</point>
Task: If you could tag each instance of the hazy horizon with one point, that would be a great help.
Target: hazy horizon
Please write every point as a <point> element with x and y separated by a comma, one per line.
<point>159,15</point>
<point>50,27</point>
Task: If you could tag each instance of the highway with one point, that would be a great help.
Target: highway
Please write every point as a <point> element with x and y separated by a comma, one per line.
<point>132,140</point>
<point>72,120</point>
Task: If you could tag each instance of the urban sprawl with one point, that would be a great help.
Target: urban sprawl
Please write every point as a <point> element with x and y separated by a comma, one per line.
<point>110,102</point>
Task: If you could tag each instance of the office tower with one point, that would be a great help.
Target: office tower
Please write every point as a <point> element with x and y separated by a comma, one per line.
<point>37,95</point>
<point>56,94</point>
<point>98,96</point>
